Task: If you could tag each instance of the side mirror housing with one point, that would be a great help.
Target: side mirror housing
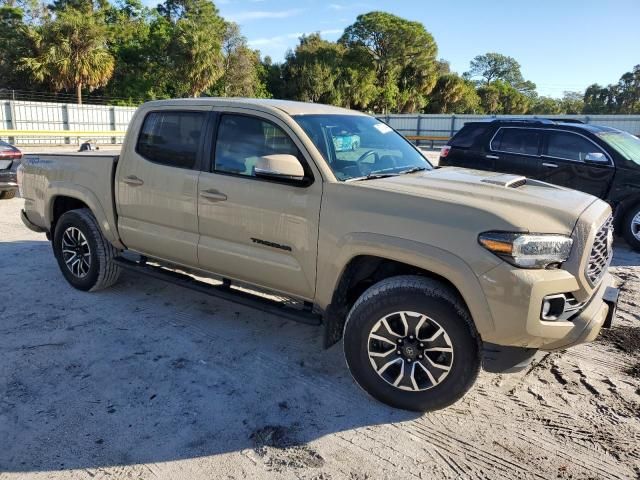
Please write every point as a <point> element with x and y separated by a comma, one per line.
<point>279,167</point>
<point>596,157</point>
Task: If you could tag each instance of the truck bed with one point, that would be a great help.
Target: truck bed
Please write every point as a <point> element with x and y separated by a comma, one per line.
<point>84,176</point>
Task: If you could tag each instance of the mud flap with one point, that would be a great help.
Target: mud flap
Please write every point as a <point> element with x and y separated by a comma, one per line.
<point>610,297</point>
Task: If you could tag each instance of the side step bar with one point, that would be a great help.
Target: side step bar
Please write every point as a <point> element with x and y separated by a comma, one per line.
<point>223,291</point>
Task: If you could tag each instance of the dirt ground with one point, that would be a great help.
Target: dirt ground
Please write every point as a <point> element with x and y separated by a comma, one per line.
<point>148,380</point>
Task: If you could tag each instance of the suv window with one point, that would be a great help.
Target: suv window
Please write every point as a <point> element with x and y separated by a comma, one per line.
<point>242,140</point>
<point>467,136</point>
<point>171,138</point>
<point>569,146</point>
<point>516,140</point>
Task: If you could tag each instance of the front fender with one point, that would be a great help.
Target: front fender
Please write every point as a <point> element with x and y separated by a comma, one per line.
<point>420,255</point>
<point>64,189</point>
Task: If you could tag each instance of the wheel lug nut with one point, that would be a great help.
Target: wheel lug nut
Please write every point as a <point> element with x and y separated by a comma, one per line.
<point>421,345</point>
<point>410,337</point>
<point>420,357</point>
<point>399,340</point>
<point>399,352</point>
<point>409,360</point>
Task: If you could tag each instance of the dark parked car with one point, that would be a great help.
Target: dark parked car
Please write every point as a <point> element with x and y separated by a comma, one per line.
<point>602,161</point>
<point>9,160</point>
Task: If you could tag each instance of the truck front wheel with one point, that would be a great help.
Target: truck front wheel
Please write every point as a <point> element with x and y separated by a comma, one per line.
<point>85,257</point>
<point>410,342</point>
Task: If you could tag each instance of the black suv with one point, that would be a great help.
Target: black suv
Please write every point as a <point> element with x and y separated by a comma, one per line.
<point>602,161</point>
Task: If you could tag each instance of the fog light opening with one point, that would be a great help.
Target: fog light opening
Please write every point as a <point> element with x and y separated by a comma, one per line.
<point>553,306</point>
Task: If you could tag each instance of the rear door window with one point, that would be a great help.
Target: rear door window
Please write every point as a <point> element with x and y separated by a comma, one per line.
<point>520,141</point>
<point>569,146</point>
<point>467,136</point>
<point>171,138</point>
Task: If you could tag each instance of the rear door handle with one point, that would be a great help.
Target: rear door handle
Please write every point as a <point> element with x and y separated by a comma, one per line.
<point>550,165</point>
<point>493,157</point>
<point>213,195</point>
<point>133,181</point>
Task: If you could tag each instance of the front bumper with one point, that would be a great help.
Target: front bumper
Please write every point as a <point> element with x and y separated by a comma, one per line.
<point>515,297</point>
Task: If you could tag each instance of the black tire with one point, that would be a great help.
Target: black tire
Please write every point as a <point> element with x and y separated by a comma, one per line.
<point>102,271</point>
<point>628,227</point>
<point>7,194</point>
<point>428,297</point>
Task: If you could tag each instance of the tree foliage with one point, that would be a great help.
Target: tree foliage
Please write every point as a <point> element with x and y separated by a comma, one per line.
<point>128,52</point>
<point>71,52</point>
<point>403,54</point>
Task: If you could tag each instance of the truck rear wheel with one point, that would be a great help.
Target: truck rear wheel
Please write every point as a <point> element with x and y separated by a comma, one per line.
<point>410,342</point>
<point>85,257</point>
<point>631,227</point>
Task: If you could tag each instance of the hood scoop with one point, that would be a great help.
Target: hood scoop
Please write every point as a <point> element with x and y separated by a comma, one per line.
<point>506,180</point>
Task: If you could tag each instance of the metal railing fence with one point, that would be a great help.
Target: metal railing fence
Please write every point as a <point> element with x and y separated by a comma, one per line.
<point>32,123</point>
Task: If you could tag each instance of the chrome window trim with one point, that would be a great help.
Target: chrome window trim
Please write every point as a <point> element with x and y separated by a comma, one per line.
<point>609,163</point>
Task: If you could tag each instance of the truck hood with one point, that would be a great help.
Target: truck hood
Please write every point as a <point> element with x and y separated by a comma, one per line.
<point>523,204</point>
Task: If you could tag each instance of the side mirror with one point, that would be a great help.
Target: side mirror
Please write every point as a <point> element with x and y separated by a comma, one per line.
<point>595,157</point>
<point>279,166</point>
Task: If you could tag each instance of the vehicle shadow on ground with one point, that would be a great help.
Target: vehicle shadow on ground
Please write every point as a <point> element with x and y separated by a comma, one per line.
<point>149,372</point>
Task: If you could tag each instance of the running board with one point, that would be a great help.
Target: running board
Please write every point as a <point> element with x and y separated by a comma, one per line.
<point>223,291</point>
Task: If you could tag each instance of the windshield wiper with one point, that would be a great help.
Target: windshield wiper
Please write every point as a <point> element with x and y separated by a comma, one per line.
<point>372,176</point>
<point>413,170</point>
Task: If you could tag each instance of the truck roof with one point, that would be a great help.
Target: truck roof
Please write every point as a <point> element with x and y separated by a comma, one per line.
<point>288,106</point>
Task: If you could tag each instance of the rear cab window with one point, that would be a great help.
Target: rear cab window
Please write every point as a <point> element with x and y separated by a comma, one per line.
<point>172,137</point>
<point>519,141</point>
<point>467,135</point>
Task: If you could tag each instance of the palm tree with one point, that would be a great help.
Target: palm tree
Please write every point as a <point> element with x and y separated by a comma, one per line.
<point>71,52</point>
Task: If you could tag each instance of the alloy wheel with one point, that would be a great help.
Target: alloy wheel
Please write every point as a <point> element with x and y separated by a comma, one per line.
<point>410,351</point>
<point>635,226</point>
<point>76,252</point>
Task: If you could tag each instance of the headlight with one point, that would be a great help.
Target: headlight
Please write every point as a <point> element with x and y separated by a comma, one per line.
<point>527,250</point>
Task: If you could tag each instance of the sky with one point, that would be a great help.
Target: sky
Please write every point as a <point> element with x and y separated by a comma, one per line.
<point>562,45</point>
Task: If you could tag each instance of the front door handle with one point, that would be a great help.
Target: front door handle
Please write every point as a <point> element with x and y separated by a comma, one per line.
<point>213,195</point>
<point>133,181</point>
<point>492,157</point>
<point>550,165</point>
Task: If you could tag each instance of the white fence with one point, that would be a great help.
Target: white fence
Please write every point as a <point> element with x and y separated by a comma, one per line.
<point>40,122</point>
<point>24,122</point>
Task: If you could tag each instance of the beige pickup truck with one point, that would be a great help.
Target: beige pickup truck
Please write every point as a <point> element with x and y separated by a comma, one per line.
<point>426,273</point>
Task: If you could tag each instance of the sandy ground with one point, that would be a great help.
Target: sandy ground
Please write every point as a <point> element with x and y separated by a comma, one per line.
<point>148,380</point>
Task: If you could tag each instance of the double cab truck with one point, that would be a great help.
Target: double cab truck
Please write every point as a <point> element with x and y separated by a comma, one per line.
<point>425,274</point>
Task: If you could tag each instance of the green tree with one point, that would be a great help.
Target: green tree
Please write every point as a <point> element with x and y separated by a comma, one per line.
<point>71,52</point>
<point>453,94</point>
<point>195,49</point>
<point>572,103</point>
<point>492,67</point>
<point>500,97</point>
<point>627,92</point>
<point>311,72</point>
<point>546,106</point>
<point>599,99</point>
<point>403,54</point>
<point>243,75</point>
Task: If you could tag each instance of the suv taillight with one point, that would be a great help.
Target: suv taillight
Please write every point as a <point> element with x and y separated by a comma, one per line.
<point>444,151</point>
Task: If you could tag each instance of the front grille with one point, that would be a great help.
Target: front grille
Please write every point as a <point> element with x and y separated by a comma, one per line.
<point>601,252</point>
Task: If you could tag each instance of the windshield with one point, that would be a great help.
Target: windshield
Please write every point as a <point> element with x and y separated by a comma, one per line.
<point>359,147</point>
<point>624,143</point>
